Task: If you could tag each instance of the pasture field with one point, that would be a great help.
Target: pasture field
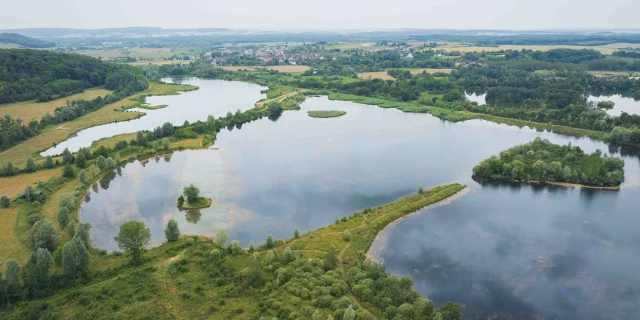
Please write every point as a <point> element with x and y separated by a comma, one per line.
<point>28,111</point>
<point>110,113</point>
<point>14,185</point>
<point>384,76</point>
<point>283,68</point>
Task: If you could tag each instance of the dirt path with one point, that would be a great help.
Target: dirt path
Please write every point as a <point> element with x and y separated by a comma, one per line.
<point>278,99</point>
<point>351,296</point>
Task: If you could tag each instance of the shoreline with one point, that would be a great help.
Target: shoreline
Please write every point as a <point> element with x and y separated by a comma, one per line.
<point>379,243</point>
<point>197,206</point>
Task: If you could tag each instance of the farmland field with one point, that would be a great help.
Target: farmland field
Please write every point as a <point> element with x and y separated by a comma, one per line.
<point>384,76</point>
<point>110,113</point>
<point>28,111</point>
<point>137,52</point>
<point>467,47</point>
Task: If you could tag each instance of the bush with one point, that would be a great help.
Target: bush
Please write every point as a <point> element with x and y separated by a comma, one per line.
<point>172,232</point>
<point>346,235</point>
<point>5,202</point>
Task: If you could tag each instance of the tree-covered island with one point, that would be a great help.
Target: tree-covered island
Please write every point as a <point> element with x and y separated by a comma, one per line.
<point>543,161</point>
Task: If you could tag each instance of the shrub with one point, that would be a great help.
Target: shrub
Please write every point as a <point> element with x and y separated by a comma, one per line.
<point>5,202</point>
<point>172,232</point>
<point>346,235</point>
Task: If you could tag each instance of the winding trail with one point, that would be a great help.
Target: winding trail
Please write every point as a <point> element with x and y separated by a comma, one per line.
<point>351,296</point>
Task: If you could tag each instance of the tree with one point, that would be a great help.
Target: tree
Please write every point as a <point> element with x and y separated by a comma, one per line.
<point>221,238</point>
<point>133,238</point>
<point>75,259</point>
<point>296,233</point>
<point>29,193</point>
<point>349,314</point>
<point>101,162</point>
<point>330,258</point>
<point>81,161</point>
<point>171,232</point>
<point>67,172</point>
<point>420,190</point>
<point>48,162</point>
<point>346,235</point>
<point>43,264</point>
<point>31,166</point>
<point>12,279</point>
<point>83,177</point>
<point>192,193</point>
<point>5,202</point>
<point>43,235</point>
<point>270,244</point>
<point>82,233</point>
<point>9,169</point>
<point>139,137</point>
<point>64,215</point>
<point>67,157</point>
<point>450,311</point>
<point>235,248</point>
<point>287,255</point>
<point>165,143</point>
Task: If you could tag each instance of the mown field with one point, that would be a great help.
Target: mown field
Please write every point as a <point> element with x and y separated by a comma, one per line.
<point>110,113</point>
<point>28,111</point>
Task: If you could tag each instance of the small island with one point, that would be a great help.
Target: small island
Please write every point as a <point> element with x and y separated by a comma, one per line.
<point>191,199</point>
<point>540,161</point>
<point>606,104</point>
<point>326,113</point>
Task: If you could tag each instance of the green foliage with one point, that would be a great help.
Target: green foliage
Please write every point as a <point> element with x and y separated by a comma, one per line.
<point>25,41</point>
<point>606,104</point>
<point>31,166</point>
<point>75,259</point>
<point>191,193</point>
<point>269,243</point>
<point>29,193</point>
<point>133,238</point>
<point>235,248</point>
<point>82,233</point>
<point>5,202</point>
<point>326,114</point>
<point>221,238</point>
<point>83,177</point>
<point>171,231</point>
<point>48,162</point>
<point>43,235</point>
<point>420,190</point>
<point>543,161</point>
<point>346,235</point>
<point>296,233</point>
<point>81,161</point>
<point>68,172</point>
<point>180,201</point>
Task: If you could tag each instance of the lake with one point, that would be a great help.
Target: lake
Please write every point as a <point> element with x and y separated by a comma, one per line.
<point>622,104</point>
<point>215,97</point>
<point>500,249</point>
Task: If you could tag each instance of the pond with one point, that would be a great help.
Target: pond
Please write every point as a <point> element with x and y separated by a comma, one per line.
<point>622,104</point>
<point>270,177</point>
<point>480,99</point>
<point>215,97</point>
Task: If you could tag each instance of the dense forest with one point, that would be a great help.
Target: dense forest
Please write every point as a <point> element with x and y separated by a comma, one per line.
<point>540,160</point>
<point>45,75</point>
<point>25,41</point>
<point>27,73</point>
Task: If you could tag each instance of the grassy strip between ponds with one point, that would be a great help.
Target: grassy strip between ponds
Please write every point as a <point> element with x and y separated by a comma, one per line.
<point>412,107</point>
<point>326,113</point>
<point>365,226</point>
<point>202,202</point>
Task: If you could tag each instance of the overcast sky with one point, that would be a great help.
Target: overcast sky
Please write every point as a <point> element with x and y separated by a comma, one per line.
<point>322,14</point>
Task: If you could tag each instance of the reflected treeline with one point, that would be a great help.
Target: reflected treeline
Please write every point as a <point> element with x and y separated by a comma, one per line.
<point>585,193</point>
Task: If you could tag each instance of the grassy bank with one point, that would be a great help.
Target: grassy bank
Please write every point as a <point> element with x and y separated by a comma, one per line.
<point>202,202</point>
<point>195,277</point>
<point>326,114</point>
<point>110,113</point>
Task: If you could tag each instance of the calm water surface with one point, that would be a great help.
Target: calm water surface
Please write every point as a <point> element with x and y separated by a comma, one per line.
<point>481,99</point>
<point>215,97</point>
<point>510,251</point>
<point>622,104</point>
